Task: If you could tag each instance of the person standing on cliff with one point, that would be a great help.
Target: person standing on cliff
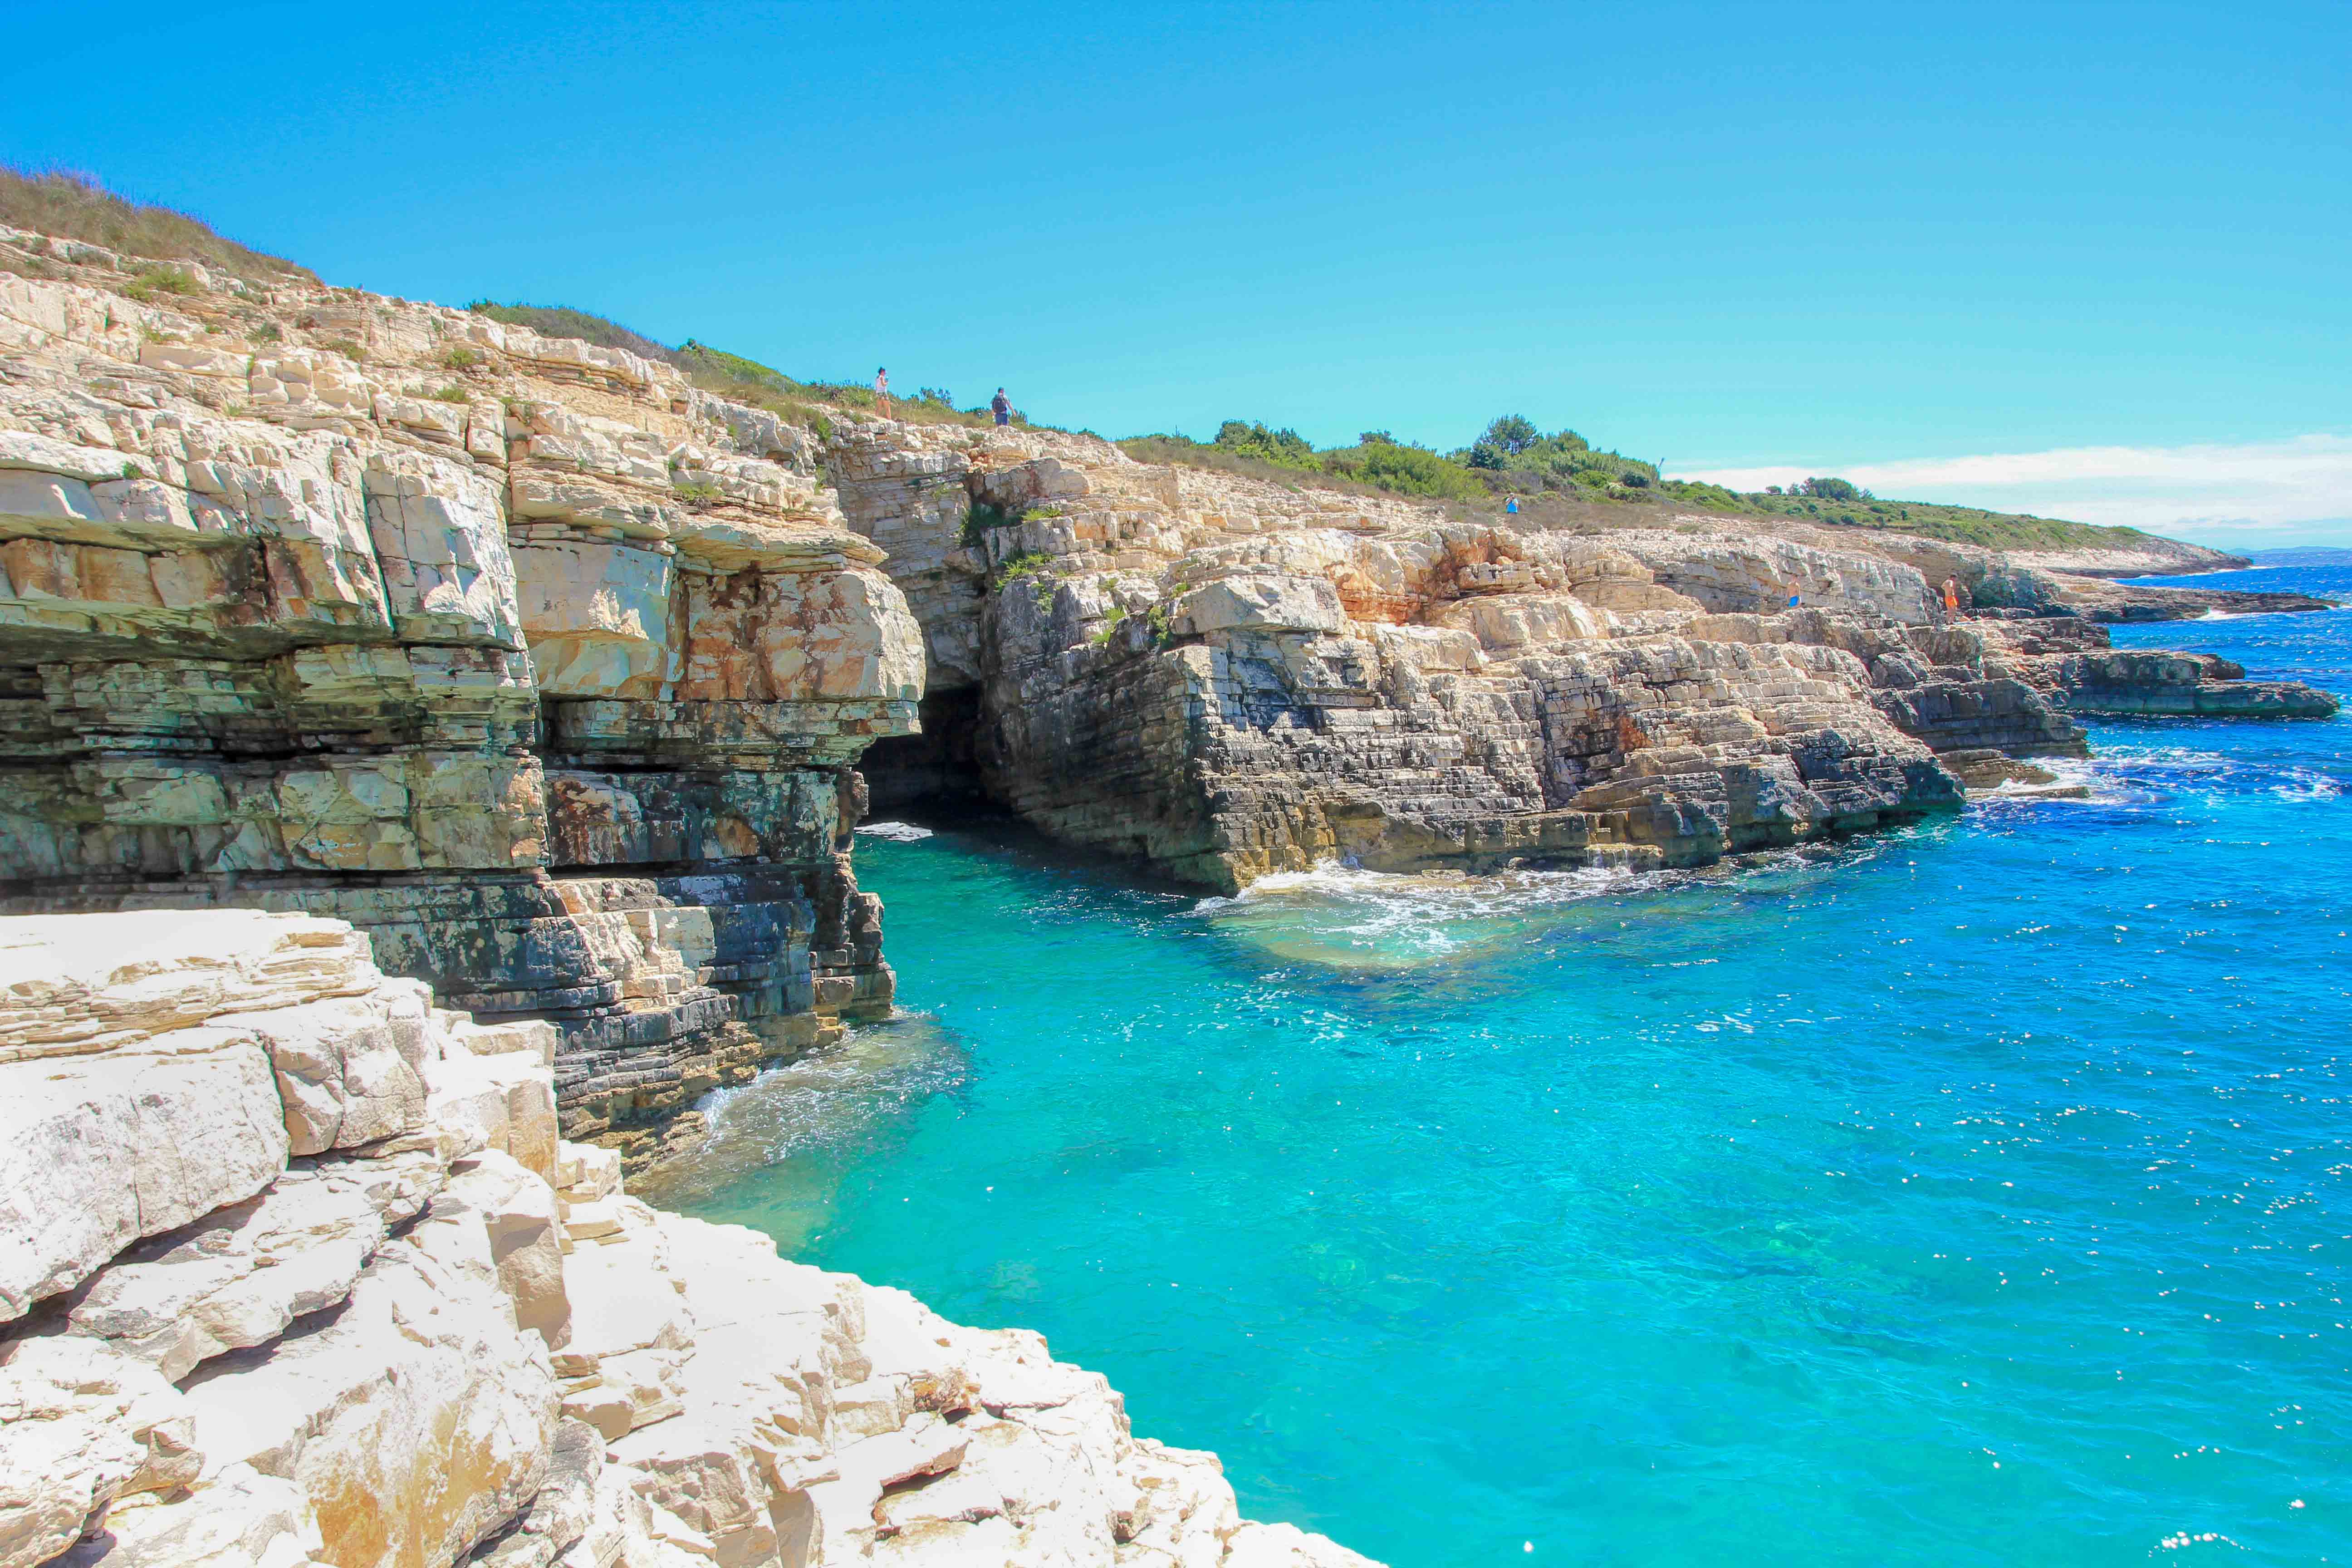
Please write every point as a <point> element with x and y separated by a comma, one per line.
<point>1001,406</point>
<point>882,391</point>
<point>1951,599</point>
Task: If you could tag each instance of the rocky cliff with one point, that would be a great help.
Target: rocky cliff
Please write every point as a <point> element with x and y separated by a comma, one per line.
<point>554,673</point>
<point>542,668</point>
<point>296,1269</point>
<point>1224,677</point>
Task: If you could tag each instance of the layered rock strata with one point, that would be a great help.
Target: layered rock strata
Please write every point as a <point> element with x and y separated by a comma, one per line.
<point>2075,661</point>
<point>1224,678</point>
<point>554,673</point>
<point>296,1269</point>
<point>542,667</point>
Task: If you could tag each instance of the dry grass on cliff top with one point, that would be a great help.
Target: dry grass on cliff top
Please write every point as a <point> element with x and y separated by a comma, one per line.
<point>73,206</point>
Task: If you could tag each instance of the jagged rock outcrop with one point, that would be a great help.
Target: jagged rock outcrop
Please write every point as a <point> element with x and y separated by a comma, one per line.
<point>542,667</point>
<point>2147,555</point>
<point>446,1335</point>
<point>554,673</point>
<point>1223,677</point>
<point>2075,661</point>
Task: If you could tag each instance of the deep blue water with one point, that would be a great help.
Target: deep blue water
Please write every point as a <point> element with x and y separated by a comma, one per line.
<point>1975,1193</point>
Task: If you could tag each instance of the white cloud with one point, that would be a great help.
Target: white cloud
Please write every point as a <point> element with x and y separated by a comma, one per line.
<point>2247,495</point>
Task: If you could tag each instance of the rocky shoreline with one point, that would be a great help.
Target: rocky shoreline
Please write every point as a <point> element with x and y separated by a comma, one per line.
<point>568,682</point>
<point>295,1268</point>
<point>344,639</point>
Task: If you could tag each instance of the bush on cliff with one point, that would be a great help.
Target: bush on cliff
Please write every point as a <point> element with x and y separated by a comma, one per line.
<point>1284,448</point>
<point>1378,460</point>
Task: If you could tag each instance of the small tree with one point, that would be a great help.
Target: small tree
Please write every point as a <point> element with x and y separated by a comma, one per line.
<point>1832,490</point>
<point>1504,438</point>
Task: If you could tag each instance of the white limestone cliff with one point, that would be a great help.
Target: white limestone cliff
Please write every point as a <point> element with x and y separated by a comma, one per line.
<point>295,1270</point>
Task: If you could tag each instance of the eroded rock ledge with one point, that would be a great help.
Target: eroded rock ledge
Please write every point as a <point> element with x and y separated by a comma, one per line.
<point>1223,678</point>
<point>555,674</point>
<point>537,664</point>
<point>295,1268</point>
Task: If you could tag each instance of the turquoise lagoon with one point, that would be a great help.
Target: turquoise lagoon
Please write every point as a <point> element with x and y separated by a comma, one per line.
<point>1974,1193</point>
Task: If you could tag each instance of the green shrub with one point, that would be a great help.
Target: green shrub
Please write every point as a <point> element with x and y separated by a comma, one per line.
<point>1284,448</point>
<point>1035,568</point>
<point>1505,439</point>
<point>1109,628</point>
<point>698,495</point>
<point>266,332</point>
<point>460,359</point>
<point>1408,470</point>
<point>348,349</point>
<point>155,280</point>
<point>454,394</point>
<point>1041,513</point>
<point>980,519</point>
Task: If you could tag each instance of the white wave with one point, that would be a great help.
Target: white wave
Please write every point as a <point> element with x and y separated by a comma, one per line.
<point>1343,915</point>
<point>1461,892</point>
<point>895,832</point>
<point>2066,773</point>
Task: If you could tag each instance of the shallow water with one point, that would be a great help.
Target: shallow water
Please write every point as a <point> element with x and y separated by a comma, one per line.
<point>1975,1194</point>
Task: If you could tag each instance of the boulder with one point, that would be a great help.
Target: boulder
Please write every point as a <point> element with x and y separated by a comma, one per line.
<point>81,1425</point>
<point>100,1151</point>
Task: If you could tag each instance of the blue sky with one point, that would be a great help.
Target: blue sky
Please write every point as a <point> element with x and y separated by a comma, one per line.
<point>2093,258</point>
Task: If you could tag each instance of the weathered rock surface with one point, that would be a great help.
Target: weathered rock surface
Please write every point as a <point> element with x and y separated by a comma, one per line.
<point>540,665</point>
<point>550,672</point>
<point>425,1350</point>
<point>2098,599</point>
<point>2073,660</point>
<point>1224,678</point>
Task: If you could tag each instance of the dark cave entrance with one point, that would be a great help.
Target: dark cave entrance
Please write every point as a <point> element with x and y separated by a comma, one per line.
<point>935,774</point>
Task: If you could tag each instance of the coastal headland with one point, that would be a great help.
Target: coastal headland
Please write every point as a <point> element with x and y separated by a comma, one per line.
<point>433,758</point>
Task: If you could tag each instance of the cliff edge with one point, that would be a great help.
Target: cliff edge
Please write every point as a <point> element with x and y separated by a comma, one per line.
<point>537,664</point>
<point>295,1270</point>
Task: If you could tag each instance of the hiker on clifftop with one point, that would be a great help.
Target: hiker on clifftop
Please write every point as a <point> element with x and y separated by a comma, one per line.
<point>882,391</point>
<point>1001,406</point>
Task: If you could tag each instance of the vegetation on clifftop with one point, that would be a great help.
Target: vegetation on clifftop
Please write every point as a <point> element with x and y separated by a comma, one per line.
<point>1929,520</point>
<point>731,375</point>
<point>72,205</point>
<point>1552,473</point>
<point>1513,456</point>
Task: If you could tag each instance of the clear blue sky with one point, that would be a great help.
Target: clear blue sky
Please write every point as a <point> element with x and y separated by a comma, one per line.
<point>1729,237</point>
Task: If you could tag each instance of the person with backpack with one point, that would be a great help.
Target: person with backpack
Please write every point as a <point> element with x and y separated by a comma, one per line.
<point>1001,406</point>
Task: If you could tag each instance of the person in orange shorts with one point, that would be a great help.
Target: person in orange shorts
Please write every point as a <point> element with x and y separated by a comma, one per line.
<point>1951,599</point>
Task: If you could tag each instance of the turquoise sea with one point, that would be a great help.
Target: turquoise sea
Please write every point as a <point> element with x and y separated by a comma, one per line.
<point>1975,1193</point>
